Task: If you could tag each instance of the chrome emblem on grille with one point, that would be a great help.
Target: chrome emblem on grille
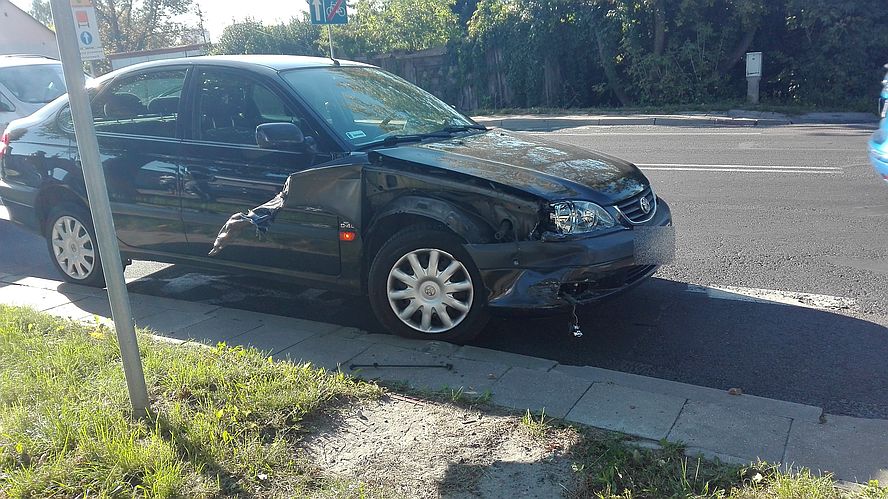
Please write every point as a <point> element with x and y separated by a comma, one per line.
<point>645,205</point>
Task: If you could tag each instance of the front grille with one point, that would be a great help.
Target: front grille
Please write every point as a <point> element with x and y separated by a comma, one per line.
<point>589,290</point>
<point>631,208</point>
<point>638,272</point>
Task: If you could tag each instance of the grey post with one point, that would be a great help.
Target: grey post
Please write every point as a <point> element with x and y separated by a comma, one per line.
<point>752,89</point>
<point>99,204</point>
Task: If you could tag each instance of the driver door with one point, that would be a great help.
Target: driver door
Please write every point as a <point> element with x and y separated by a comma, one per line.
<point>226,172</point>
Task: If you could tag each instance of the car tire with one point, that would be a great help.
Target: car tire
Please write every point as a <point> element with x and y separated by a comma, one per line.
<point>71,239</point>
<point>448,306</point>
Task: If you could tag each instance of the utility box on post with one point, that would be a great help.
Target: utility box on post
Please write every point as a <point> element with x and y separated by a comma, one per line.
<point>753,76</point>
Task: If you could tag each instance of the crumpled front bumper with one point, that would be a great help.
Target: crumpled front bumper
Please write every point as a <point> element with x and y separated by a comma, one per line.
<point>541,275</point>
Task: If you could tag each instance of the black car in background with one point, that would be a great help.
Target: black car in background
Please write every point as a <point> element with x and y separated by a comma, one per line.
<point>337,175</point>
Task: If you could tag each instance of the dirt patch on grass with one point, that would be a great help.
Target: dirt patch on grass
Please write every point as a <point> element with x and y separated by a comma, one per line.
<point>419,448</point>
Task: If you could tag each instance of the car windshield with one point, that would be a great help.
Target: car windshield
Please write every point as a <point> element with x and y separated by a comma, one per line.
<point>34,84</point>
<point>365,105</point>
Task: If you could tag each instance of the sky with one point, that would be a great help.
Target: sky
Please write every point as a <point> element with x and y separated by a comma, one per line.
<point>220,13</point>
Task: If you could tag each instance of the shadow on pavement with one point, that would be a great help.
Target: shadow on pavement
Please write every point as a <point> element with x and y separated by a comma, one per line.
<point>663,330</point>
<point>660,329</point>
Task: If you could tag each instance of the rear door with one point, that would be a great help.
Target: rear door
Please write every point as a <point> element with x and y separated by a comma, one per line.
<point>140,138</point>
<point>226,172</point>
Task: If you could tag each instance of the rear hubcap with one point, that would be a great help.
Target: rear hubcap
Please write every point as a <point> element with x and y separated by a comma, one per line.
<point>430,290</point>
<point>73,248</point>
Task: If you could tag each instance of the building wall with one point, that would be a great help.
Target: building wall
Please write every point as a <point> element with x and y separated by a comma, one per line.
<point>22,34</point>
<point>123,60</point>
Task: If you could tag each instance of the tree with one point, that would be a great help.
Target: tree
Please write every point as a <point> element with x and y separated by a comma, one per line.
<point>41,11</point>
<point>131,25</point>
<point>380,26</point>
<point>298,37</point>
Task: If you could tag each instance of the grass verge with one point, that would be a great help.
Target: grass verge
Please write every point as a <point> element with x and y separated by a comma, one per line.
<point>225,421</point>
<point>612,467</point>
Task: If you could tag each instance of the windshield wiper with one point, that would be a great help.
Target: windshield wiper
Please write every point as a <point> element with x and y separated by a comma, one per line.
<point>392,140</point>
<point>462,128</point>
<point>444,133</point>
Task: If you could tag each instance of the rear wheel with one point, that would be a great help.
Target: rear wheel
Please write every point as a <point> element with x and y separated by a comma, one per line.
<point>71,239</point>
<point>423,284</point>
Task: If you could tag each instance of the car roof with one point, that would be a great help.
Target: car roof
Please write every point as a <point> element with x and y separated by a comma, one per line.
<point>274,62</point>
<point>24,60</point>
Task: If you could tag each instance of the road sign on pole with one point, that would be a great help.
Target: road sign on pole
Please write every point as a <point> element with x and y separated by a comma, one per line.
<point>87,28</point>
<point>99,204</point>
<point>328,11</point>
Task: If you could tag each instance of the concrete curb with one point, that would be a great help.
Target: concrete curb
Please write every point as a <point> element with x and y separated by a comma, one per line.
<point>732,119</point>
<point>733,428</point>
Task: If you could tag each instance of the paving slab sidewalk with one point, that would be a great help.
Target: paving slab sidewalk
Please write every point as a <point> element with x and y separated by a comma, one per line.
<point>735,428</point>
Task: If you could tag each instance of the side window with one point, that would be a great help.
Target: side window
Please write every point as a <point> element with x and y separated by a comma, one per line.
<point>5,105</point>
<point>145,104</point>
<point>231,106</point>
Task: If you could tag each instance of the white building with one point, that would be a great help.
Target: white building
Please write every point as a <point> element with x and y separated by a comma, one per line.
<point>22,34</point>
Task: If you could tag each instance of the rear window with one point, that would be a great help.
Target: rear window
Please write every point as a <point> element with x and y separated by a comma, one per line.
<point>35,84</point>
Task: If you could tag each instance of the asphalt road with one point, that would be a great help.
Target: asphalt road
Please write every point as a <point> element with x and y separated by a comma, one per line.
<point>784,209</point>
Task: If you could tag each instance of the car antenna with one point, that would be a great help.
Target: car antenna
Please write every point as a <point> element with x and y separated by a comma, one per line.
<point>335,62</point>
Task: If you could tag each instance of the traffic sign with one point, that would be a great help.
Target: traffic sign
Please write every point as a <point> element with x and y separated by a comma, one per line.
<point>87,29</point>
<point>328,11</point>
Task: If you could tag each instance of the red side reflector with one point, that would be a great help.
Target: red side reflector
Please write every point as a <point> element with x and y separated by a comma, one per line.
<point>347,235</point>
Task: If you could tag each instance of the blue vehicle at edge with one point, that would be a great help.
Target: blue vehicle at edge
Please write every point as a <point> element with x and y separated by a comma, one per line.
<point>878,144</point>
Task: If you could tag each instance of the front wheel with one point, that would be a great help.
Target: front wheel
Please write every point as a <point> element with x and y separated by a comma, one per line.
<point>423,284</point>
<point>72,245</point>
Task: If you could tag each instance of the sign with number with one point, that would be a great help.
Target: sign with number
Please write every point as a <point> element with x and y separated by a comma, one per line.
<point>753,64</point>
<point>87,29</point>
<point>328,11</point>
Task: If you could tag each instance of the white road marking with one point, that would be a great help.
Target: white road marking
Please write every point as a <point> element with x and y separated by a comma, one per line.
<point>742,170</point>
<point>593,133</point>
<point>758,167</point>
<point>773,296</point>
<point>678,167</point>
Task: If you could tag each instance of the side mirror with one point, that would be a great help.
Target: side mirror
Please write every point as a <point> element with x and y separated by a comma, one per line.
<point>286,136</point>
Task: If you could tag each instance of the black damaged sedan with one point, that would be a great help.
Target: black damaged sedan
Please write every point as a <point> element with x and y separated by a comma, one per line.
<point>338,175</point>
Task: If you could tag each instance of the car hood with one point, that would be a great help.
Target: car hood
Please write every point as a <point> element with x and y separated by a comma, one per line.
<point>551,170</point>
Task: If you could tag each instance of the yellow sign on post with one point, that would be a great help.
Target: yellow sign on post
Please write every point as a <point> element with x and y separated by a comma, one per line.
<point>87,28</point>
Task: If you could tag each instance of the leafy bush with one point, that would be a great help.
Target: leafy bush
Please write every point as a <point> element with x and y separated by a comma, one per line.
<point>585,53</point>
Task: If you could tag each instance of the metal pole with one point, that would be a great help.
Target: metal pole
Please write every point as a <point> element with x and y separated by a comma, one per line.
<point>330,38</point>
<point>99,204</point>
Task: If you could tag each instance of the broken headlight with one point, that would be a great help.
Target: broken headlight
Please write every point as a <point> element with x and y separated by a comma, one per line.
<point>579,217</point>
